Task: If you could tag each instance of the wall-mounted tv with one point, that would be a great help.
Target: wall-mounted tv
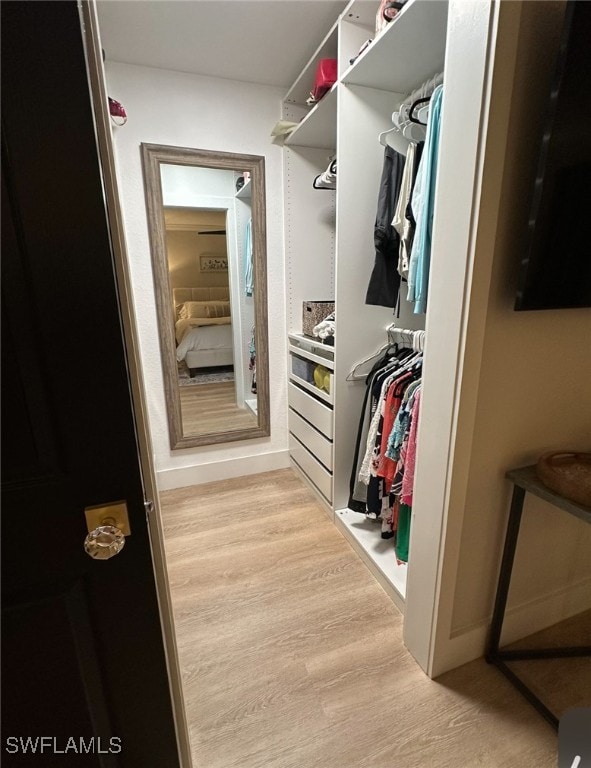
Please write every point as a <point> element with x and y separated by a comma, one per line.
<point>556,269</point>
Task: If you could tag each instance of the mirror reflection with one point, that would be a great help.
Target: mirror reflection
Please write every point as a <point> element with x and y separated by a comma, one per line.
<point>207,262</point>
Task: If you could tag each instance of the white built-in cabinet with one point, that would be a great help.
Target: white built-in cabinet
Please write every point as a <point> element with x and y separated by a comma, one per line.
<point>329,242</point>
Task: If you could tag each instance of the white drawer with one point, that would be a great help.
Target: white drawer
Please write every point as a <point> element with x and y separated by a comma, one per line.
<point>316,443</point>
<point>304,371</point>
<point>311,409</point>
<point>313,469</point>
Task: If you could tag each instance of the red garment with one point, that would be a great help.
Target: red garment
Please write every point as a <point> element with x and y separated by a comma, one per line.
<point>387,467</point>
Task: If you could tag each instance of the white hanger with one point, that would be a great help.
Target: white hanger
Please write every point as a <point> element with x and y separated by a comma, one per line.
<point>401,124</point>
<point>353,376</point>
<point>413,132</point>
<point>383,134</point>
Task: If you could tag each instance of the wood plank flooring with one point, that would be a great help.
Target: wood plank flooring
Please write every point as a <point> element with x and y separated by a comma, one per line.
<point>292,655</point>
<point>210,408</point>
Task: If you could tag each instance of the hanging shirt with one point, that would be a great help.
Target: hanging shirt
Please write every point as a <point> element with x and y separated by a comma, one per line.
<point>408,480</point>
<point>400,223</point>
<point>423,201</point>
<point>385,280</point>
<point>248,269</point>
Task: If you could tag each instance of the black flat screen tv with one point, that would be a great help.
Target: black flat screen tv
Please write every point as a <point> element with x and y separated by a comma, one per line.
<point>556,270</point>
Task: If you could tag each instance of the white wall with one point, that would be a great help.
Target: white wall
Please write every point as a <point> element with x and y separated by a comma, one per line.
<point>524,385</point>
<point>184,110</point>
<point>534,393</point>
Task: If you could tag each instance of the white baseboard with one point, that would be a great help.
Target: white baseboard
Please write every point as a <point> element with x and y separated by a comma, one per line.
<point>168,479</point>
<point>469,642</point>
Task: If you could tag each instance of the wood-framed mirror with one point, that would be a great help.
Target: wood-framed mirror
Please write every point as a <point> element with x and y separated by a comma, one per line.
<point>206,221</point>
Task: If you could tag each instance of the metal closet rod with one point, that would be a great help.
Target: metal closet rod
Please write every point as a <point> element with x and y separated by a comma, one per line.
<point>414,338</point>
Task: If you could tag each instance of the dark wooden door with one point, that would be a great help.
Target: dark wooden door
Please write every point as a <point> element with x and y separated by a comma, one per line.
<point>83,665</point>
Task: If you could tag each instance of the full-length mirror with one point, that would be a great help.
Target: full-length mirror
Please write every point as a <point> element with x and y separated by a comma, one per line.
<point>206,217</point>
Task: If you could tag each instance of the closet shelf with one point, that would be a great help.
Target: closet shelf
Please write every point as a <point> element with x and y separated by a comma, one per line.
<point>245,192</point>
<point>409,51</point>
<point>319,127</point>
<point>300,90</point>
<point>378,553</point>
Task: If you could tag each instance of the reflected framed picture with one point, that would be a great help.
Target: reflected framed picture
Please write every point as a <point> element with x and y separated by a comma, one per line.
<point>212,262</point>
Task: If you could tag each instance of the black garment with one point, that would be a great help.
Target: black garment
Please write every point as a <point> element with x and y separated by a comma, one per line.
<point>385,280</point>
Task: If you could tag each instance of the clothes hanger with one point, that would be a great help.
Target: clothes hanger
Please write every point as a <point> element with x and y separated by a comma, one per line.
<point>352,375</point>
<point>383,134</point>
<point>415,104</point>
<point>423,113</point>
<point>413,132</point>
<point>385,349</point>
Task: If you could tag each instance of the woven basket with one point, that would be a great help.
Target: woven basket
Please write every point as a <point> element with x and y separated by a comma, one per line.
<point>567,473</point>
<point>314,312</point>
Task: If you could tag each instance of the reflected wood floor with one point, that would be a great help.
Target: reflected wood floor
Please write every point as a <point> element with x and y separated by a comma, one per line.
<point>212,407</point>
<point>292,655</point>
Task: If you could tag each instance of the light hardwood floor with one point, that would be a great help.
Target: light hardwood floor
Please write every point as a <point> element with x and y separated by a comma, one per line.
<point>209,408</point>
<point>292,655</point>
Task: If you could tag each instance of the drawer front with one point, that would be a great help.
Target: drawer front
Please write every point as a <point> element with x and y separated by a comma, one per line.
<point>315,377</point>
<point>316,443</point>
<point>318,475</point>
<point>311,409</point>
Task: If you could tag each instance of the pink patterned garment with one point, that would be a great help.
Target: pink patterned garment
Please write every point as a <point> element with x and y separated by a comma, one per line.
<point>411,453</point>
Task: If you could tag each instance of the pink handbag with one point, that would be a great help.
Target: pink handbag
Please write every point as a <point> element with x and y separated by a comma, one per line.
<point>326,77</point>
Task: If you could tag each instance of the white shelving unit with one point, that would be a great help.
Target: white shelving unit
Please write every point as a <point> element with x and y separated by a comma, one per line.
<point>311,423</point>
<point>319,127</point>
<point>245,192</point>
<point>409,50</point>
<point>300,90</point>
<point>245,315</point>
<point>364,535</point>
<point>330,249</point>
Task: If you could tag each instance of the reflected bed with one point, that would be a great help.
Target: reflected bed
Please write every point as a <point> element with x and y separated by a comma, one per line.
<point>203,327</point>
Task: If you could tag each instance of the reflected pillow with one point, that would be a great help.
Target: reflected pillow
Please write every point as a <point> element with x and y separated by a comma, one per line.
<point>218,310</point>
<point>193,309</point>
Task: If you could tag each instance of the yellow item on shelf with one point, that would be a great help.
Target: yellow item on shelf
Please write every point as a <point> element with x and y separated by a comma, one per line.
<point>322,378</point>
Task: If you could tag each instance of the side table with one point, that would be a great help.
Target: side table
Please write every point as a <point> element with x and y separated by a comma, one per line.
<point>525,481</point>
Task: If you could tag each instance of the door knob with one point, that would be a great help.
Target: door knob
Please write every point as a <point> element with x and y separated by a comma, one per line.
<point>108,525</point>
<point>104,542</point>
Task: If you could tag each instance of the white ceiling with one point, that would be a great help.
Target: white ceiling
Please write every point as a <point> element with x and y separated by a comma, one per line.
<point>256,41</point>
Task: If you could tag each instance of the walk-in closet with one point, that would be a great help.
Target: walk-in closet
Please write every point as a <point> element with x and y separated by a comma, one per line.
<point>331,243</point>
<point>330,247</point>
<point>480,72</point>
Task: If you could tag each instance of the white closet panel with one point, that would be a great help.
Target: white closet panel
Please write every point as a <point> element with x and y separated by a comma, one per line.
<point>309,232</point>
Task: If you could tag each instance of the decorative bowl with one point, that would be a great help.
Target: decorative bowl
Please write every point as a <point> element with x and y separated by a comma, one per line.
<point>567,473</point>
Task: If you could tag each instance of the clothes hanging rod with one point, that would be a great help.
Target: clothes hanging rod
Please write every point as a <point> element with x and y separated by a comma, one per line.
<point>426,89</point>
<point>415,338</point>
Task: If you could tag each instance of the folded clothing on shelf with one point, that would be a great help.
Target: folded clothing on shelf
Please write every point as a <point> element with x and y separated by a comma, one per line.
<point>326,328</point>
